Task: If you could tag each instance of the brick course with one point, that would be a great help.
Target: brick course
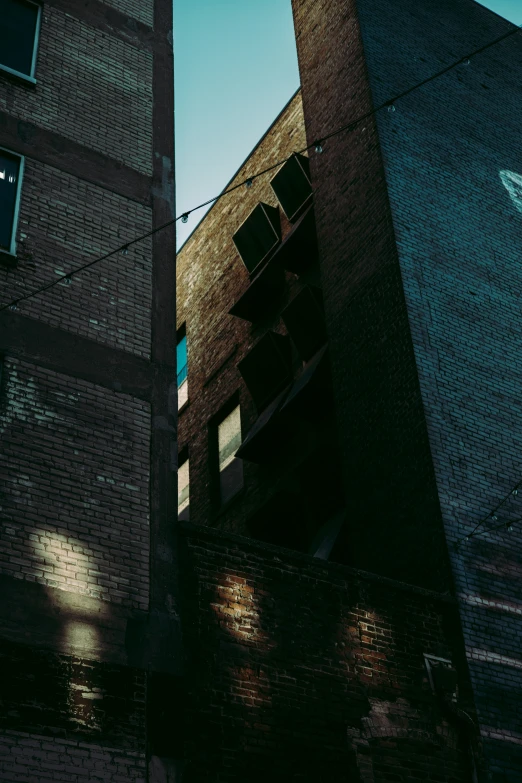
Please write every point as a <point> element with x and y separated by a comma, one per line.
<point>142,10</point>
<point>33,758</point>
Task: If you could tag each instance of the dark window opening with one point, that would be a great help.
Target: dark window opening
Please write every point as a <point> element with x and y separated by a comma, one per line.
<point>266,369</point>
<point>19,25</point>
<point>304,320</point>
<point>10,175</point>
<point>292,185</point>
<point>259,234</point>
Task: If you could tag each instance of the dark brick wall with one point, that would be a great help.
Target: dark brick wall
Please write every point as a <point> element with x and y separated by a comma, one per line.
<point>72,698</point>
<point>74,485</point>
<point>388,474</point>
<point>88,465</point>
<point>419,240</point>
<point>458,239</point>
<point>306,670</point>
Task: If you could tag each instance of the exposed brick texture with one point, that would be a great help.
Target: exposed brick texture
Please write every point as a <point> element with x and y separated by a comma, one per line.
<point>104,89</point>
<point>305,670</point>
<point>74,485</point>
<point>87,417</point>
<point>142,10</point>
<point>33,758</point>
<point>72,698</point>
<point>63,226</point>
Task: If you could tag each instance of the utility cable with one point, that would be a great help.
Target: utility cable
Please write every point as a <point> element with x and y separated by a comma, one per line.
<point>249,180</point>
<point>513,492</point>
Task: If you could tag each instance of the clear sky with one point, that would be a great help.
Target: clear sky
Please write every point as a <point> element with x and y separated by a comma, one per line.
<point>235,68</point>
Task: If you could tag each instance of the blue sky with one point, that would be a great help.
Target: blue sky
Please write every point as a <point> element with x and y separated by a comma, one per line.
<point>235,68</point>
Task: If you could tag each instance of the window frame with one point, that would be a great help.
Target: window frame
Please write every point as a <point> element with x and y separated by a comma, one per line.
<point>12,248</point>
<point>19,74</point>
<point>181,334</point>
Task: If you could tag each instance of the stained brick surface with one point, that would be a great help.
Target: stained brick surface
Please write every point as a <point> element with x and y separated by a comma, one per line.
<point>74,487</point>
<point>92,88</point>
<point>65,222</point>
<point>303,670</point>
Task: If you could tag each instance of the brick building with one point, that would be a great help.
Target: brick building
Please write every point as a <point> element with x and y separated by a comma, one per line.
<point>347,391</point>
<point>352,394</point>
<point>88,612</point>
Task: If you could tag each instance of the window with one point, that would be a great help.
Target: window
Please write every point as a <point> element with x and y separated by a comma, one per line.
<point>182,368</point>
<point>183,489</point>
<point>292,185</point>
<point>230,468</point>
<point>258,235</point>
<point>11,169</point>
<point>19,31</point>
<point>266,369</point>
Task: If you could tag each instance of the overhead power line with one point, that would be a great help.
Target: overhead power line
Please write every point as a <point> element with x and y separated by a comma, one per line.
<point>317,145</point>
<point>492,517</point>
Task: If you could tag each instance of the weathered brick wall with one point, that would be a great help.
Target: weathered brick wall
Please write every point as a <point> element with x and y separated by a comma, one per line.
<point>81,468</point>
<point>64,718</point>
<point>65,222</point>
<point>393,520</point>
<point>33,758</point>
<point>74,486</point>
<point>211,277</point>
<point>72,698</point>
<point>92,88</point>
<point>458,236</point>
<point>306,670</point>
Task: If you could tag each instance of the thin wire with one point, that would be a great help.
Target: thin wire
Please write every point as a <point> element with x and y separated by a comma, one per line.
<point>184,215</point>
<point>492,513</point>
<point>69,275</point>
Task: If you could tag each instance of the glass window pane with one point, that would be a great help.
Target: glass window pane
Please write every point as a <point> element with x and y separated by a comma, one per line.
<point>229,438</point>
<point>9,171</point>
<point>181,360</point>
<point>17,33</point>
<point>182,394</point>
<point>183,490</point>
